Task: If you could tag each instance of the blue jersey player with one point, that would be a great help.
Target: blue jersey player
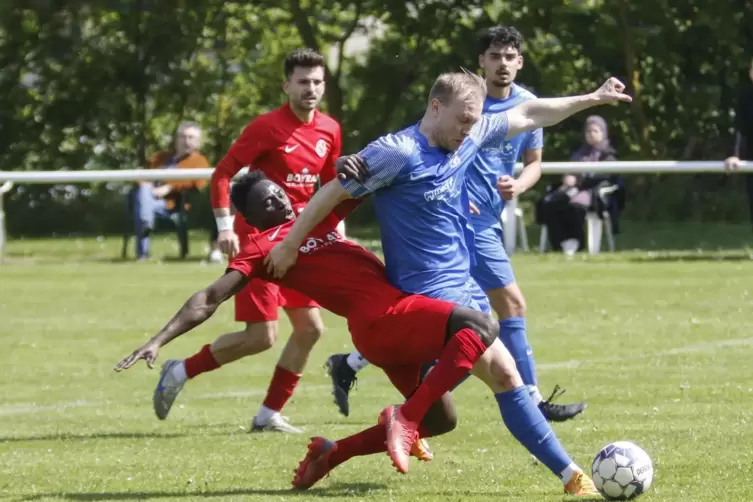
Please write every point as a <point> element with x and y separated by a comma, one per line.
<point>417,180</point>
<point>490,182</point>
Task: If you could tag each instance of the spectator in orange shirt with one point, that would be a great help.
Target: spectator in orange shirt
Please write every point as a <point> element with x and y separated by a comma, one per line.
<point>168,200</point>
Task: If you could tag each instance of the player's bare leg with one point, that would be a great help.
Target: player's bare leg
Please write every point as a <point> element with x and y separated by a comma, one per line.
<point>496,368</point>
<point>256,338</point>
<point>324,455</point>
<point>510,305</point>
<point>307,329</point>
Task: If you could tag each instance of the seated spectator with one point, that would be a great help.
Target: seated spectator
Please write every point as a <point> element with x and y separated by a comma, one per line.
<point>563,208</point>
<point>168,200</point>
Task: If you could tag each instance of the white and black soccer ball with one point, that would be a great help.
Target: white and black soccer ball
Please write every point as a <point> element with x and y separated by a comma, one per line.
<point>622,471</point>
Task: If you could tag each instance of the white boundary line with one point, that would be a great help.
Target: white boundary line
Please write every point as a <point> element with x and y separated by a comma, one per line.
<point>27,408</point>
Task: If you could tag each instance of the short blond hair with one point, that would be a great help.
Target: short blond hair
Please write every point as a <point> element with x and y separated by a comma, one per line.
<point>458,85</point>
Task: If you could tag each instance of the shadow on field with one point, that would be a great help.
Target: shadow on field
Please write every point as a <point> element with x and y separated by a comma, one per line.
<point>154,260</point>
<point>333,490</point>
<point>695,257</point>
<point>63,436</point>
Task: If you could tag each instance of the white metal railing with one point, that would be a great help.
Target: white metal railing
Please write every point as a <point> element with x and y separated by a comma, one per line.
<point>126,175</point>
<point>619,167</point>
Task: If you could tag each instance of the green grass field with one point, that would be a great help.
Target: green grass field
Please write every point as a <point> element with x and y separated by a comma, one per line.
<point>658,344</point>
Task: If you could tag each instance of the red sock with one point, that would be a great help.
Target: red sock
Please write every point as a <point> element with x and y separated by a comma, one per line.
<point>366,442</point>
<point>456,360</point>
<point>280,388</point>
<point>201,362</point>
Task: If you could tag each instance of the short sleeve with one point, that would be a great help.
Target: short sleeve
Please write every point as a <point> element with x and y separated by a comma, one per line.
<point>491,128</point>
<point>249,262</point>
<point>386,157</point>
<point>535,140</point>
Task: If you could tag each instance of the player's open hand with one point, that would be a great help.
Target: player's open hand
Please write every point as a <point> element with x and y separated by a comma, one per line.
<point>228,243</point>
<point>352,167</point>
<point>280,259</point>
<point>612,91</point>
<point>148,352</point>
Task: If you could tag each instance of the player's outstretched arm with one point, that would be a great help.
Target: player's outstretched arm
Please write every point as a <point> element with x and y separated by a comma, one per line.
<point>545,112</point>
<point>283,255</point>
<point>195,311</point>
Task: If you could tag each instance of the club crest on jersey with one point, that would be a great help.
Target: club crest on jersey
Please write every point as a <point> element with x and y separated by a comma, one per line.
<point>321,148</point>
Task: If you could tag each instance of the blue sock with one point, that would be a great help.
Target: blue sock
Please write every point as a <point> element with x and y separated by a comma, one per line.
<point>530,428</point>
<point>512,333</point>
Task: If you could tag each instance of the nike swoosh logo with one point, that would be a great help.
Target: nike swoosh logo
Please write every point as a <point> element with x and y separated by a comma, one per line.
<point>274,234</point>
<point>414,177</point>
<point>289,149</point>
<point>544,438</point>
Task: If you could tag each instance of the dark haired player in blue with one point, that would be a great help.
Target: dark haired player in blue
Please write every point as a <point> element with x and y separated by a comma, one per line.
<point>490,182</point>
<point>417,180</point>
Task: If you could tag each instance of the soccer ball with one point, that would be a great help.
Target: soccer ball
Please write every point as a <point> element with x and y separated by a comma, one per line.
<point>622,471</point>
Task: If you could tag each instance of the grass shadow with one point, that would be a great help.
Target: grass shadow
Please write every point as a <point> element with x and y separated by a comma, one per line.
<point>63,436</point>
<point>695,257</point>
<point>336,490</point>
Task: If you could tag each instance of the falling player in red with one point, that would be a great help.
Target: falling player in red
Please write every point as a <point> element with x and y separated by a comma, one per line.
<point>396,331</point>
<point>295,146</point>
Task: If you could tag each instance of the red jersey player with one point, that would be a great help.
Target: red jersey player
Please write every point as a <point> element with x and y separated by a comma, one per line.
<point>395,331</point>
<point>294,145</point>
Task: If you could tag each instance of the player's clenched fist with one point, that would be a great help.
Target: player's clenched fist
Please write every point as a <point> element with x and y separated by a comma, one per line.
<point>612,91</point>
<point>228,243</point>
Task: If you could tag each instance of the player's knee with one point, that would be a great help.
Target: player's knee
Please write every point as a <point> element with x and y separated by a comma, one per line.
<point>260,337</point>
<point>505,372</point>
<point>508,302</point>
<point>308,335</point>
<point>483,325</point>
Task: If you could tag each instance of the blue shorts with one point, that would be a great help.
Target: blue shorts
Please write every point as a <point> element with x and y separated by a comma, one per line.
<point>492,269</point>
<point>470,295</point>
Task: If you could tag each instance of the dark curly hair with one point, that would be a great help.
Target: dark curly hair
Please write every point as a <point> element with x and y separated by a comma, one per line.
<point>304,58</point>
<point>500,36</point>
<point>239,192</point>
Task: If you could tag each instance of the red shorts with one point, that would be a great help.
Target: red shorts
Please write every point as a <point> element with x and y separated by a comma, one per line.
<point>411,334</point>
<point>259,301</point>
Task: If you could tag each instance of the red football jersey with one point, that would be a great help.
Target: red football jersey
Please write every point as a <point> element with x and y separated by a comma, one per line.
<point>341,276</point>
<point>293,154</point>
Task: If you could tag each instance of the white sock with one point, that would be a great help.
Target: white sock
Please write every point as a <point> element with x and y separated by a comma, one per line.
<point>568,472</point>
<point>356,361</point>
<point>179,372</point>
<point>535,395</point>
<point>264,415</point>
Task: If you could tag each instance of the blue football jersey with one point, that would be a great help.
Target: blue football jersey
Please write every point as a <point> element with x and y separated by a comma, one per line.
<point>496,159</point>
<point>421,203</point>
